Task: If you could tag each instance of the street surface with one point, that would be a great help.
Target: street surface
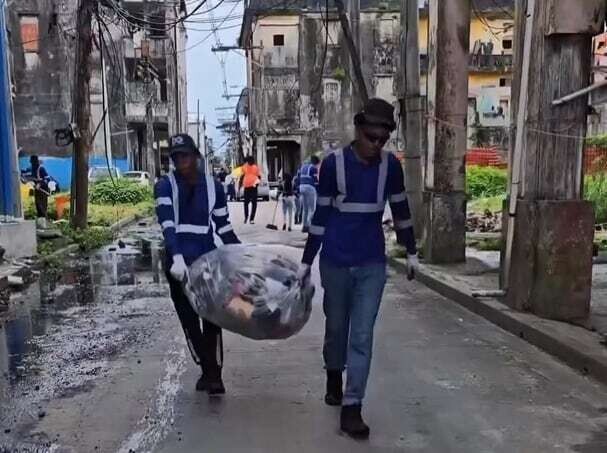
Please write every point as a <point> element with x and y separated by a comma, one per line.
<point>93,359</point>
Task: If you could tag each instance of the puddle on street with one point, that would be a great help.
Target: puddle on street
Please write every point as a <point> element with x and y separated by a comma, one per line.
<point>84,299</point>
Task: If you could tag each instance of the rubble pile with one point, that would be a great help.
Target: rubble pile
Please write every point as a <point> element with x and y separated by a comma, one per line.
<point>488,222</point>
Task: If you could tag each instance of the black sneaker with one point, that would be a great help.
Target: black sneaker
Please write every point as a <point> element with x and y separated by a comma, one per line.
<point>202,384</point>
<point>284,227</point>
<point>352,422</point>
<point>335,384</point>
<point>289,228</point>
<point>252,222</point>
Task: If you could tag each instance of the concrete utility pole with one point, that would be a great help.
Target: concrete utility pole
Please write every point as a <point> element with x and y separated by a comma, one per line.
<point>447,131</point>
<point>361,87</point>
<point>82,114</point>
<point>150,158</point>
<point>548,268</point>
<point>354,7</point>
<point>411,106</point>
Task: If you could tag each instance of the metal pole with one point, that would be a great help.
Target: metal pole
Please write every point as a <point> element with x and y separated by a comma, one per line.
<point>107,133</point>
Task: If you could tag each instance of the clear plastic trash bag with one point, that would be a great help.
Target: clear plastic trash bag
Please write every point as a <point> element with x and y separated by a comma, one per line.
<point>251,290</point>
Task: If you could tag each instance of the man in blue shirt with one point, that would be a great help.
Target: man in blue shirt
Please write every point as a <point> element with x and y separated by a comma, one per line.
<point>307,177</point>
<point>355,183</point>
<point>187,203</point>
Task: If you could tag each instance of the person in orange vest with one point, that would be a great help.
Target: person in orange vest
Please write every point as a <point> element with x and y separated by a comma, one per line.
<point>250,179</point>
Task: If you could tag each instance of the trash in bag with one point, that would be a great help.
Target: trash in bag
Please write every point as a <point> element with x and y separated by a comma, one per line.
<point>251,290</point>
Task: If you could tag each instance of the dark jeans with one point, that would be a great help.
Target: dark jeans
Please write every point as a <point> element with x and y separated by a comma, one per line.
<point>41,201</point>
<point>250,196</point>
<point>206,345</point>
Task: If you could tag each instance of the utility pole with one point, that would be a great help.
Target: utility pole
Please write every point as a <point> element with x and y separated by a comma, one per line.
<point>411,105</point>
<point>354,13</point>
<point>176,63</point>
<point>198,123</point>
<point>107,132</point>
<point>82,113</point>
<point>264,116</point>
<point>448,54</point>
<point>150,157</point>
<point>361,87</point>
<point>549,236</point>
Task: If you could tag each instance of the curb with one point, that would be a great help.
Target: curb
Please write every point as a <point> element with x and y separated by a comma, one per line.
<point>577,347</point>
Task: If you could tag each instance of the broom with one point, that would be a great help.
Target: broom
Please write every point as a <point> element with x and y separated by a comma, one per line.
<point>272,226</point>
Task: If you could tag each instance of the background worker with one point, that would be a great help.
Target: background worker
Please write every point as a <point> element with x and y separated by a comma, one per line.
<point>288,201</point>
<point>355,183</point>
<point>250,179</point>
<point>40,178</point>
<point>308,183</point>
<point>188,203</point>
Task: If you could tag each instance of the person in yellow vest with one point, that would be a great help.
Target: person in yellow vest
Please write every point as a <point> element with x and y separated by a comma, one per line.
<point>250,179</point>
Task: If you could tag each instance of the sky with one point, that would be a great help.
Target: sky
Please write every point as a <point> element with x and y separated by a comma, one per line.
<point>205,77</point>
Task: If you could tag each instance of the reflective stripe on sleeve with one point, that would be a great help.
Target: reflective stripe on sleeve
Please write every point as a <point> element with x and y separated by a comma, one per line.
<point>167,224</point>
<point>403,224</point>
<point>164,201</point>
<point>398,198</point>
<point>225,229</point>
<point>317,230</point>
<point>192,229</point>
<point>220,212</point>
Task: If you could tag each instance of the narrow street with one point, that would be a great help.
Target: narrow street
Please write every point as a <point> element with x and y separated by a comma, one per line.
<point>97,362</point>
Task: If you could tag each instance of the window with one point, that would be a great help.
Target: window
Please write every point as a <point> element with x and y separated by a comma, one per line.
<point>29,33</point>
<point>507,44</point>
<point>279,40</point>
<point>504,82</point>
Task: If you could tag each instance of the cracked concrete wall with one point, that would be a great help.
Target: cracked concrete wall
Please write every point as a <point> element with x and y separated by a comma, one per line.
<point>42,79</point>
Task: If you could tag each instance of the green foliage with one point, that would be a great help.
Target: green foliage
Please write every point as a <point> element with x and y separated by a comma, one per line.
<point>339,74</point>
<point>103,215</point>
<point>598,141</point>
<point>482,182</point>
<point>121,191</point>
<point>595,191</point>
<point>89,239</point>
<point>491,204</point>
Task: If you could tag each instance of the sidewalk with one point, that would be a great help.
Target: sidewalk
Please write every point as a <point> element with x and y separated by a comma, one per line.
<point>583,349</point>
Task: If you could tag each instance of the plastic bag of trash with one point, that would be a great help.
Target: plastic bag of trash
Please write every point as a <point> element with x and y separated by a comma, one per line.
<point>251,290</point>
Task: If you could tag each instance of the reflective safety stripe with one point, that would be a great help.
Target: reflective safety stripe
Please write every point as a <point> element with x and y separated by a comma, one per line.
<point>175,194</point>
<point>398,198</point>
<point>220,212</point>
<point>225,229</point>
<point>192,229</point>
<point>403,224</point>
<point>324,201</point>
<point>359,207</point>
<point>167,224</point>
<point>164,201</point>
<point>317,230</point>
<point>382,177</point>
<point>210,193</point>
<point>340,173</point>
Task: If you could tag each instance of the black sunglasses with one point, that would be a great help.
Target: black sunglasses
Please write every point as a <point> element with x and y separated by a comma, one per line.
<point>376,139</point>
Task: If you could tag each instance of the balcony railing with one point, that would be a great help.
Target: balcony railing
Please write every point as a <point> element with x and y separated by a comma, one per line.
<point>480,63</point>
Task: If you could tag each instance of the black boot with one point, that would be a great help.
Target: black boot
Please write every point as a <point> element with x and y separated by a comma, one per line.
<point>352,422</point>
<point>211,386</point>
<point>335,391</point>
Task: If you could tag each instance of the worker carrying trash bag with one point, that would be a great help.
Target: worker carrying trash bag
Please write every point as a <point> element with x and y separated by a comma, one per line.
<point>187,203</point>
<point>252,290</point>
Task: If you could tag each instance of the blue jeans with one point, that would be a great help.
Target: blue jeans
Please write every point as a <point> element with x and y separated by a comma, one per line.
<point>308,195</point>
<point>351,303</point>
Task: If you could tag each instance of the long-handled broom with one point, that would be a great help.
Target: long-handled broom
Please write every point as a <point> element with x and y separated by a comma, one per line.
<point>272,226</point>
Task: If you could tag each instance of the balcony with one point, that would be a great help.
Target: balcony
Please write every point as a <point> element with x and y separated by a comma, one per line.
<point>479,63</point>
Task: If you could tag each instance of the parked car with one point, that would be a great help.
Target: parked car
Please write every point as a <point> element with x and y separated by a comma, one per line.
<point>97,174</point>
<point>263,191</point>
<point>141,177</point>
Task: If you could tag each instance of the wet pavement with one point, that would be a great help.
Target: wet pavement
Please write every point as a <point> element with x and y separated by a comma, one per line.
<point>92,358</point>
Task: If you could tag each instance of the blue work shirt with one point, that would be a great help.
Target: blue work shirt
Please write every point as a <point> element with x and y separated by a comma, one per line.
<point>190,232</point>
<point>308,175</point>
<point>347,223</point>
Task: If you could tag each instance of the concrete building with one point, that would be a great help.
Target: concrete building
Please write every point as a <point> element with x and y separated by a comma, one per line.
<point>145,66</point>
<point>303,73</point>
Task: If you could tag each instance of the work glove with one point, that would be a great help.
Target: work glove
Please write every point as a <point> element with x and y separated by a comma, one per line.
<point>412,266</point>
<point>179,270</point>
<point>303,273</point>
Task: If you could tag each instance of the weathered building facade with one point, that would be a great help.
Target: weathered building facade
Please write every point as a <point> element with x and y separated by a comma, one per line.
<point>144,66</point>
<point>300,90</point>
